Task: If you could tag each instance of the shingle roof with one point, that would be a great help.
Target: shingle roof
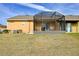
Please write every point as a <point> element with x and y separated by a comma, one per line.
<point>27,17</point>
<point>21,18</point>
<point>46,15</point>
<point>72,17</point>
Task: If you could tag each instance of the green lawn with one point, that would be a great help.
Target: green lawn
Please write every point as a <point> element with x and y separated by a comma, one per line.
<point>39,44</point>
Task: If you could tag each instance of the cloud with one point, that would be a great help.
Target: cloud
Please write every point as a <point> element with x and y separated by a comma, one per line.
<point>6,11</point>
<point>38,7</point>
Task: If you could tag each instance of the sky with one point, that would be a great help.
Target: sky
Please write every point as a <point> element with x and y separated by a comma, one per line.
<point>8,10</point>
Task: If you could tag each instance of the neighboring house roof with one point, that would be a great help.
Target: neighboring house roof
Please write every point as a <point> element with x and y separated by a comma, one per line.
<point>3,26</point>
<point>72,17</point>
<point>21,18</point>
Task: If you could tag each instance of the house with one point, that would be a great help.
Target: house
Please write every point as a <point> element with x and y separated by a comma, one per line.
<point>24,23</point>
<point>44,22</point>
<point>72,23</point>
<point>2,27</point>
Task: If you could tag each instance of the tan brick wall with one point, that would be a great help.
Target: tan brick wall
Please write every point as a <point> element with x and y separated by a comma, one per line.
<point>25,26</point>
<point>74,27</point>
<point>37,26</point>
<point>52,24</point>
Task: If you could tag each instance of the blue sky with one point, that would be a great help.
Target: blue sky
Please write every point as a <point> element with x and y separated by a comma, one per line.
<point>8,10</point>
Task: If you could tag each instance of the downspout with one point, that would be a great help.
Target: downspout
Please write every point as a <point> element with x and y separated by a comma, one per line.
<point>29,27</point>
<point>78,26</point>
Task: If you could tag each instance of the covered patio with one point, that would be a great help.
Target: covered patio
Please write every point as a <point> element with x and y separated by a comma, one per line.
<point>49,21</point>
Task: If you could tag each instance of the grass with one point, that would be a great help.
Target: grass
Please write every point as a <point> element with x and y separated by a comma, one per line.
<point>39,44</point>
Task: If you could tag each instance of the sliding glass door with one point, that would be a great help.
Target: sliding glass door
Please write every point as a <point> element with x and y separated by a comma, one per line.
<point>68,27</point>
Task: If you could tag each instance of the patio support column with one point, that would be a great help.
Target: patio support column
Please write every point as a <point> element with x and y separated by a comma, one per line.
<point>63,24</point>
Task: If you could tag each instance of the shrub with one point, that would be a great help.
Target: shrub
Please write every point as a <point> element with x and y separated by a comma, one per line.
<point>0,32</point>
<point>6,31</point>
<point>17,31</point>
